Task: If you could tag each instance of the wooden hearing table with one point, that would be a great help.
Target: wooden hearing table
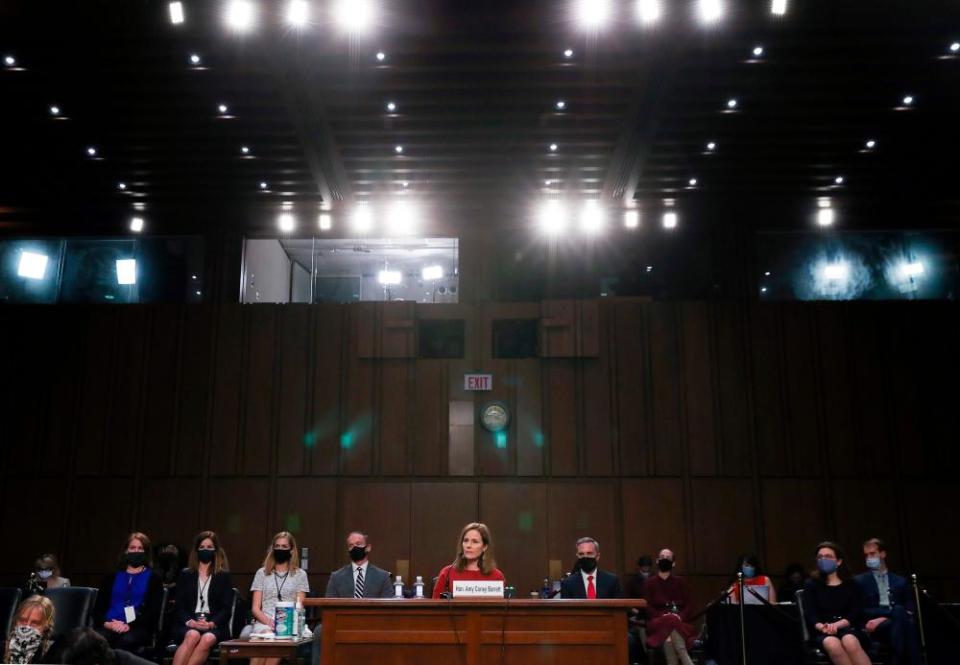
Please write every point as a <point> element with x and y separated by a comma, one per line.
<point>473,631</point>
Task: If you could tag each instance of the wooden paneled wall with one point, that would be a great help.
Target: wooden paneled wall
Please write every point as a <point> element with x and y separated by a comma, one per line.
<point>711,428</point>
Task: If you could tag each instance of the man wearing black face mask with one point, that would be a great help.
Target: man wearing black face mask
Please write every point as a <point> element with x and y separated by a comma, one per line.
<point>360,578</point>
<point>588,581</point>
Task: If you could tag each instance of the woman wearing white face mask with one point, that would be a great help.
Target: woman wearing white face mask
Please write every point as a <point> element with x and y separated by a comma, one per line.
<point>45,575</point>
<point>29,641</point>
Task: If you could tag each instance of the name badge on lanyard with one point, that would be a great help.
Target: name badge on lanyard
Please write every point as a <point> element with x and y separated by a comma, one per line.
<point>129,614</point>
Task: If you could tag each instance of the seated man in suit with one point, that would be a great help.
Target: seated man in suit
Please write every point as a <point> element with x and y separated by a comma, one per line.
<point>359,579</point>
<point>888,605</point>
<point>588,581</point>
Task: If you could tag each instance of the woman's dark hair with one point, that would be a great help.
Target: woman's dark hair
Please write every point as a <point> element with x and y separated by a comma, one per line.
<point>750,559</point>
<point>85,646</point>
<point>842,571</point>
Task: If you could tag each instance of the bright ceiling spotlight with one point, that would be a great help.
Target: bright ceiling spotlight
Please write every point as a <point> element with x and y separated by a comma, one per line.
<point>908,100</point>
<point>911,270</point>
<point>825,217</point>
<point>361,218</point>
<point>92,151</point>
<point>122,186</point>
<point>955,47</point>
<point>568,53</point>
<point>263,186</point>
<point>325,221</point>
<point>54,110</point>
<point>223,109</point>
<point>136,224</point>
<point>649,11</point>
<point>286,221</point>
<point>126,271</point>
<point>432,273</point>
<point>561,105</point>
<point>176,12</point>
<point>871,144</point>
<point>298,13</point>
<point>838,180</point>
<point>245,150</point>
<point>553,147</point>
<point>398,149</point>
<point>552,217</point>
<point>837,272</point>
<point>391,106</point>
<point>670,220</point>
<point>381,56</point>
<point>778,7</point>
<point>32,265</point>
<point>732,103</point>
<point>9,61</point>
<point>240,15</point>
<point>592,14</point>
<point>631,219</point>
<point>389,277</point>
<point>711,146</point>
<point>757,51</point>
<point>402,218</point>
<point>592,217</point>
<point>194,59</point>
<point>710,11</point>
<point>355,16</point>
<point>692,182</point>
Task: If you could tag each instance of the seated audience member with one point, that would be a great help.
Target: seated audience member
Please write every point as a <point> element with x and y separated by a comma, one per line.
<point>359,578</point>
<point>587,580</point>
<point>128,605</point>
<point>474,560</point>
<point>669,611</point>
<point>888,605</point>
<point>833,609</point>
<point>29,640</point>
<point>204,600</point>
<point>85,646</point>
<point>794,579</point>
<point>280,580</point>
<point>45,575</point>
<point>753,576</point>
<point>634,587</point>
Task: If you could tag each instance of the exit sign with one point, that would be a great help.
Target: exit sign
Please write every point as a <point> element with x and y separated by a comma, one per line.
<point>478,381</point>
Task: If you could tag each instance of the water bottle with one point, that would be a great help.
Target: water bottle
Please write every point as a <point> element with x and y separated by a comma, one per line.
<point>418,587</point>
<point>301,620</point>
<point>398,587</point>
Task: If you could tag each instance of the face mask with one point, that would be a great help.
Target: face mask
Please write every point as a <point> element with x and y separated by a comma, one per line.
<point>45,574</point>
<point>26,633</point>
<point>873,562</point>
<point>136,559</point>
<point>588,564</point>
<point>826,566</point>
<point>358,553</point>
<point>281,556</point>
<point>206,556</point>
<point>665,565</point>
<point>748,571</point>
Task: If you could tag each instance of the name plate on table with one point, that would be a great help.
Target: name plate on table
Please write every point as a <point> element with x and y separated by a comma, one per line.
<point>478,589</point>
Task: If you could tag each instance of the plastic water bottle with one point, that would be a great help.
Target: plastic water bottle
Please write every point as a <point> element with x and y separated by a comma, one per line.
<point>398,587</point>
<point>418,587</point>
<point>300,619</point>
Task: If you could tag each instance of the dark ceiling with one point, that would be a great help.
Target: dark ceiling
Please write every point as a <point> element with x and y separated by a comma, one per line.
<point>476,85</point>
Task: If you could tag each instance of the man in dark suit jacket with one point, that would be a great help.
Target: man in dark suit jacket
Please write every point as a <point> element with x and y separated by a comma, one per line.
<point>344,582</point>
<point>586,575</point>
<point>888,605</point>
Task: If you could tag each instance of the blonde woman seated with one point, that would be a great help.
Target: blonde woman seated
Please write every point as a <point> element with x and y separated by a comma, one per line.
<point>29,641</point>
<point>279,580</point>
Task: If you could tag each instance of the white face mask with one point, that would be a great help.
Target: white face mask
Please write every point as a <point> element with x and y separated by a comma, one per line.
<point>45,574</point>
<point>24,632</point>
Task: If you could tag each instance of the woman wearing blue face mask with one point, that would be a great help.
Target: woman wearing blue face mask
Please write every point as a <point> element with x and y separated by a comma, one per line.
<point>833,609</point>
<point>753,577</point>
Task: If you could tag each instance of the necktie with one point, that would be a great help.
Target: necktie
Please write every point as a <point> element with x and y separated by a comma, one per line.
<point>591,590</point>
<point>358,585</point>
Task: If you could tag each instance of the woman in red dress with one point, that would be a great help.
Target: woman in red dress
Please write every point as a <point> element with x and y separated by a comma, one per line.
<point>474,560</point>
<point>669,611</point>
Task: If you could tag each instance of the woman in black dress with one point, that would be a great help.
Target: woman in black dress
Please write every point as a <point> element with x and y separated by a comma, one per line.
<point>833,609</point>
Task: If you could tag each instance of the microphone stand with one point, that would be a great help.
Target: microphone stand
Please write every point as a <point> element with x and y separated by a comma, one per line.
<point>916,600</point>
<point>743,631</point>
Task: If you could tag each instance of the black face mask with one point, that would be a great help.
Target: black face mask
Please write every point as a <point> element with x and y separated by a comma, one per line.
<point>281,556</point>
<point>665,565</point>
<point>135,559</point>
<point>206,556</point>
<point>358,553</point>
<point>588,564</point>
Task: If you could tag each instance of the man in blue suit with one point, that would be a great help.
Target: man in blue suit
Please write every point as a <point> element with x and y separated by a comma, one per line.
<point>888,605</point>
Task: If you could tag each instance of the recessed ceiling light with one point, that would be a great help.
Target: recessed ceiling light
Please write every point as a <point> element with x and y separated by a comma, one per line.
<point>122,186</point>
<point>568,53</point>
<point>710,11</point>
<point>381,56</point>
<point>838,180</point>
<point>908,100</point>
<point>325,221</point>
<point>194,59</point>
<point>54,110</point>
<point>561,105</point>
<point>778,7</point>
<point>711,146</point>
<point>693,182</point>
<point>954,47</point>
<point>391,106</point>
<point>871,144</point>
<point>649,11</point>
<point>245,150</point>
<point>223,108</point>
<point>298,13</point>
<point>92,151</point>
<point>240,15</point>
<point>136,224</point>
<point>287,222</point>
<point>631,219</point>
<point>669,222</point>
<point>763,289</point>
<point>593,14</point>
<point>766,274</point>
<point>757,51</point>
<point>825,216</point>
<point>9,61</point>
<point>553,147</point>
<point>405,184</point>
<point>547,182</point>
<point>176,12</point>
<point>126,271</point>
<point>263,185</point>
<point>398,149</point>
<point>354,16</point>
<point>32,265</point>
<point>732,103</point>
